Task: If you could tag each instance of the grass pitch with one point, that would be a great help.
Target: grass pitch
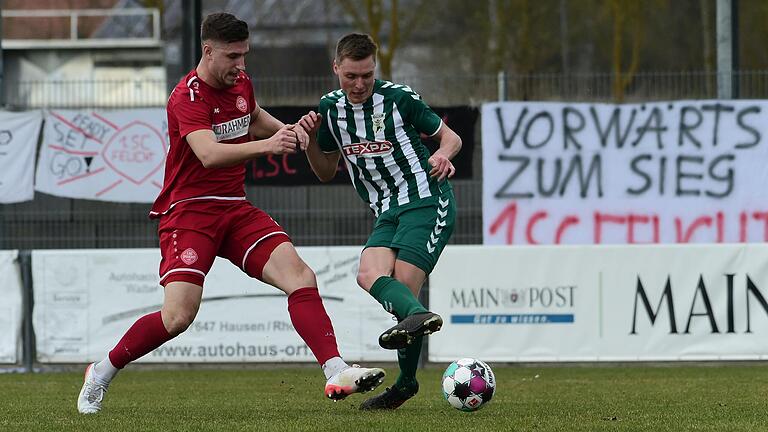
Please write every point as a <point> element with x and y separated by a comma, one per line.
<point>731,397</point>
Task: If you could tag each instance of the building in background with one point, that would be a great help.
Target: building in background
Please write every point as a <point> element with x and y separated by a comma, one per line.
<point>291,50</point>
<point>91,53</point>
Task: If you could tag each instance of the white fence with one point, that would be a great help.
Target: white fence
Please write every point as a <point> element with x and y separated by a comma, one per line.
<point>499,303</point>
<point>86,299</point>
<point>601,303</point>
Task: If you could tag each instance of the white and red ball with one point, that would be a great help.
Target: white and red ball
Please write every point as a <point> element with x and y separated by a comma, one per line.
<point>468,384</point>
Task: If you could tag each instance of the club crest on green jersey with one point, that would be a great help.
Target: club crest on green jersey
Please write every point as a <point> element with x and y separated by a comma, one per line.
<point>378,122</point>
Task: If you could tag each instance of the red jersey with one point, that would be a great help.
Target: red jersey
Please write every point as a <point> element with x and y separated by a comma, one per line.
<point>194,105</point>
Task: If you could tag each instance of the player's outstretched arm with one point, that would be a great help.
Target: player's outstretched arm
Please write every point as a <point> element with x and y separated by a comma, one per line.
<point>213,154</point>
<point>322,164</point>
<point>450,144</point>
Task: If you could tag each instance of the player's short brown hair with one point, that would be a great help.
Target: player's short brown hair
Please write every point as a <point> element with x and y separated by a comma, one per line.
<point>356,46</point>
<point>223,27</point>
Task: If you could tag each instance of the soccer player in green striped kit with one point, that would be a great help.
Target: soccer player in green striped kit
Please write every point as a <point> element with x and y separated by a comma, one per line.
<point>375,126</point>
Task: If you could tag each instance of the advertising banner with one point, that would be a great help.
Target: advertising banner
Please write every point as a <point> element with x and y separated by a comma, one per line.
<point>107,155</point>
<point>85,300</point>
<point>10,307</point>
<point>601,303</point>
<point>663,172</point>
<point>19,132</point>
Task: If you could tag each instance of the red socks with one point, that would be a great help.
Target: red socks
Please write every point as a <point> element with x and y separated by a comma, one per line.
<point>304,305</point>
<point>312,323</point>
<point>146,334</point>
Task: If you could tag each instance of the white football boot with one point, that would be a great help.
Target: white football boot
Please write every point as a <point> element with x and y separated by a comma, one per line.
<point>354,379</point>
<point>92,393</point>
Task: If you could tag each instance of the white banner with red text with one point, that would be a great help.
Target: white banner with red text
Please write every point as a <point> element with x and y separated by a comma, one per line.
<point>601,303</point>
<point>10,307</point>
<point>85,300</point>
<point>19,132</point>
<point>106,155</point>
<point>663,172</point>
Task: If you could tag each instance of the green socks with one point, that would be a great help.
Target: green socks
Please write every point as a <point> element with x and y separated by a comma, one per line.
<point>408,360</point>
<point>396,298</point>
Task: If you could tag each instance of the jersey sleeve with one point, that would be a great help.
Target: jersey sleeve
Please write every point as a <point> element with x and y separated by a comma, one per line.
<point>418,113</point>
<point>192,115</point>
<point>325,137</point>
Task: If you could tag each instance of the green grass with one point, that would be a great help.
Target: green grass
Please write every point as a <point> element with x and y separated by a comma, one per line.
<point>729,397</point>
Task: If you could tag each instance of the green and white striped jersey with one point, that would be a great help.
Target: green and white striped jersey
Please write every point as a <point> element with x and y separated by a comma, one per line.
<point>379,141</point>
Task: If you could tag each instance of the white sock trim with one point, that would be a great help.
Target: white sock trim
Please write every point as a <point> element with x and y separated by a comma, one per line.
<point>333,366</point>
<point>104,371</point>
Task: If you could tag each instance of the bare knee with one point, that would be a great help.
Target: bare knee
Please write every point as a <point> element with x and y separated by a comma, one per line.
<point>306,276</point>
<point>177,321</point>
<point>296,274</point>
<point>367,276</point>
<point>290,276</point>
<point>287,271</point>
<point>375,262</point>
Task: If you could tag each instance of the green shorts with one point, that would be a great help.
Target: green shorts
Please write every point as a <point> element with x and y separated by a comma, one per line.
<point>417,231</point>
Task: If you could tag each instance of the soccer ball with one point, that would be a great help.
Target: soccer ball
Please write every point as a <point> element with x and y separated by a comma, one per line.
<point>468,384</point>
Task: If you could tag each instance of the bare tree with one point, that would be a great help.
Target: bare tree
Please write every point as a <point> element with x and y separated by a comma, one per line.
<point>564,45</point>
<point>708,51</point>
<point>627,18</point>
<point>373,16</point>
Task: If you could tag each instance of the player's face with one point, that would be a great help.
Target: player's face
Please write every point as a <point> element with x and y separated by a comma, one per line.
<point>226,60</point>
<point>356,78</point>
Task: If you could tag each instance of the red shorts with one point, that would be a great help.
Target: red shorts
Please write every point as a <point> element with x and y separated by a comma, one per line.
<point>195,232</point>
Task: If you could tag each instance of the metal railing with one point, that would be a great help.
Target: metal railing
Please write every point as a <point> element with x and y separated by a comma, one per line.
<point>105,94</point>
<point>437,90</point>
<point>147,35</point>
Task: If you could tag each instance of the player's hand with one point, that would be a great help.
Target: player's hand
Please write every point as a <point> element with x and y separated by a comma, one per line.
<point>283,141</point>
<point>311,122</point>
<point>441,167</point>
<point>301,136</point>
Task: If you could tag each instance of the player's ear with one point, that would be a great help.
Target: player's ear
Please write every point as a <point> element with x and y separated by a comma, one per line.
<point>207,49</point>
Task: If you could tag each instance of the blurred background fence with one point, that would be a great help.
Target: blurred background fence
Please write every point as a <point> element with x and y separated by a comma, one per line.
<point>313,215</point>
<point>437,90</point>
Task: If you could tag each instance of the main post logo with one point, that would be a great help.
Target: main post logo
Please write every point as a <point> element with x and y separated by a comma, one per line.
<point>534,305</point>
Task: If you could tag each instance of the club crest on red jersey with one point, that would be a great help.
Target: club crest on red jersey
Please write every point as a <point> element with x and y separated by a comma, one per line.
<point>241,104</point>
<point>189,256</point>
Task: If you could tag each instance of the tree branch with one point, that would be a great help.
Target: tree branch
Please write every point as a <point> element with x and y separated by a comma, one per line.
<point>349,8</point>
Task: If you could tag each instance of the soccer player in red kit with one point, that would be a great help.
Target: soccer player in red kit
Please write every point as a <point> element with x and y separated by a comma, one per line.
<point>215,125</point>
